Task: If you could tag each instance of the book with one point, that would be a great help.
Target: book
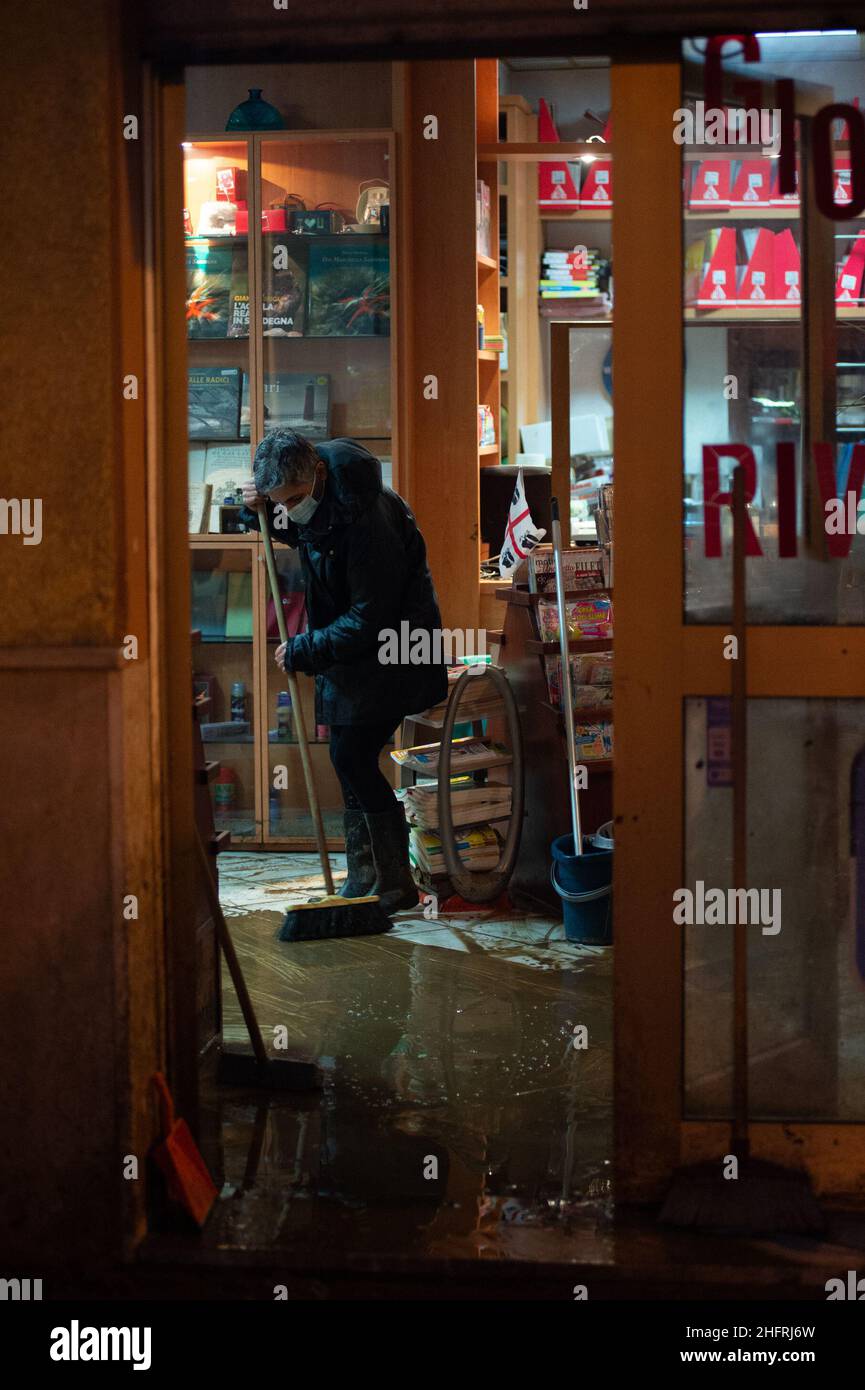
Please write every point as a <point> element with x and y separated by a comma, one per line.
<point>349,288</point>
<point>586,618</point>
<point>582,569</point>
<point>591,681</point>
<point>292,401</point>
<point>465,753</point>
<point>284,288</point>
<point>209,598</point>
<point>469,806</point>
<point>200,495</point>
<point>480,697</point>
<point>477,848</point>
<point>214,402</point>
<point>209,272</point>
<point>238,300</point>
<point>238,614</point>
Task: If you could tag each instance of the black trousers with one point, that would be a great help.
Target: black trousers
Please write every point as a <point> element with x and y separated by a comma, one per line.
<point>354,751</point>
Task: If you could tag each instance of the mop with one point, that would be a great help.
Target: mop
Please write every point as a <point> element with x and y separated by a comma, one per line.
<point>332,915</point>
<point>763,1197</point>
<point>238,1068</point>
<point>567,693</point>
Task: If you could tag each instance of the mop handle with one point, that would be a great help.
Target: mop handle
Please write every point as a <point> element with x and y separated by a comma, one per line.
<point>567,695</point>
<point>299,721</point>
<point>227,947</point>
<point>739,737</point>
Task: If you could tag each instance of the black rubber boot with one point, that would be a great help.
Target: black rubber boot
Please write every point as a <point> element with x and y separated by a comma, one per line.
<point>394,884</point>
<point>358,853</point>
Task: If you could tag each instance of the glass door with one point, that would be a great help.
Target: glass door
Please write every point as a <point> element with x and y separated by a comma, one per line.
<point>739,319</point>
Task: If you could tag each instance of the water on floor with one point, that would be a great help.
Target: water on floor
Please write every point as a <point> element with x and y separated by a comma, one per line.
<point>458,1115</point>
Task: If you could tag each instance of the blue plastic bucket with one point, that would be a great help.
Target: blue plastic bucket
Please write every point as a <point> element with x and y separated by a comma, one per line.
<point>584,883</point>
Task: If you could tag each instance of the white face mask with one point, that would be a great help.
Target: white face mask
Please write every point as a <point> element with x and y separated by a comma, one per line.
<point>305,509</point>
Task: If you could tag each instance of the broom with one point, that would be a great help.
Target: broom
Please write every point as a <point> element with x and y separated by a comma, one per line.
<point>764,1197</point>
<point>238,1068</point>
<point>331,916</point>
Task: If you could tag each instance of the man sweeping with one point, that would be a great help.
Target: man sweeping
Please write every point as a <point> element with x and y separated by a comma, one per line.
<point>365,571</point>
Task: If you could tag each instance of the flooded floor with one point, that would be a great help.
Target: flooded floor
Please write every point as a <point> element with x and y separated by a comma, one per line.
<point>456,1108</point>
<point>458,1121</point>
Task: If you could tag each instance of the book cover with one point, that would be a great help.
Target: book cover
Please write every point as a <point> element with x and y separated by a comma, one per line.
<point>209,596</point>
<point>711,184</point>
<point>238,302</point>
<point>214,402</point>
<point>582,569</point>
<point>292,401</point>
<point>349,288</point>
<point>238,615</point>
<point>284,258</point>
<point>209,270</point>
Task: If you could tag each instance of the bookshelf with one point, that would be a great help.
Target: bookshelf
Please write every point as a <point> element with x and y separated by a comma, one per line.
<point>283,234</point>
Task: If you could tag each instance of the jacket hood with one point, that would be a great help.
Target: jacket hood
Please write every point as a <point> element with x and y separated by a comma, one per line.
<point>353,483</point>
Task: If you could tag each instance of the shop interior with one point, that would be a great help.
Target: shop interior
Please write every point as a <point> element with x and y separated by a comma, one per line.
<point>457,1035</point>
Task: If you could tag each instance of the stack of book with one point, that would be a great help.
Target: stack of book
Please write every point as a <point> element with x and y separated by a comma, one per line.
<point>570,274</point>
<point>466,753</point>
<point>470,804</point>
<point>478,849</point>
<point>477,700</point>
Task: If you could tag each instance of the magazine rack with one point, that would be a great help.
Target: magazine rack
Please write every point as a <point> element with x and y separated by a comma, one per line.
<point>475,886</point>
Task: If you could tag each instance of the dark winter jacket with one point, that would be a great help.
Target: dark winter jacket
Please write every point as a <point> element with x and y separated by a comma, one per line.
<point>365,570</point>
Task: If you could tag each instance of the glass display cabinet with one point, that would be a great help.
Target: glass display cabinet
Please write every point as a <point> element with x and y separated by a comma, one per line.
<point>289,305</point>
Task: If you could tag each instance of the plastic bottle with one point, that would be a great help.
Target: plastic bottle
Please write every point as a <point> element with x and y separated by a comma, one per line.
<point>238,701</point>
<point>283,715</point>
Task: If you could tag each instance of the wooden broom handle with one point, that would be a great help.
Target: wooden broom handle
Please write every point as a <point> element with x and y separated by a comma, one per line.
<point>739,735</point>
<point>299,722</point>
<point>227,947</point>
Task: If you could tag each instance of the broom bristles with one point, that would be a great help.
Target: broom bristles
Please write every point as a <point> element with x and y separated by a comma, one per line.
<point>764,1199</point>
<point>329,919</point>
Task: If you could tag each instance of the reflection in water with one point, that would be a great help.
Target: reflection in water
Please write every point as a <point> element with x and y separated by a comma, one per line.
<point>457,1117</point>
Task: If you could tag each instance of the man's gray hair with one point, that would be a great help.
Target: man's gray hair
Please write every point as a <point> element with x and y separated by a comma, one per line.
<point>283,457</point>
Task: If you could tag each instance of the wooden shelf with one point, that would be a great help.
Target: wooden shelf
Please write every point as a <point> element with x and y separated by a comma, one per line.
<point>530,153</point>
<point>487,262</point>
<point>754,214</point>
<point>575,644</point>
<point>576,215</point>
<point>489,355</point>
<point>486,450</point>
<point>527,600</point>
<point>584,714</point>
<point>735,314</point>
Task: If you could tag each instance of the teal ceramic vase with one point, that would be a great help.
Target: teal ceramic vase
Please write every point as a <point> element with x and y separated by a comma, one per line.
<point>255,114</point>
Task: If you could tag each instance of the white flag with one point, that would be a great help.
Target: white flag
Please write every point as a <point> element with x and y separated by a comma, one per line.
<point>521,535</point>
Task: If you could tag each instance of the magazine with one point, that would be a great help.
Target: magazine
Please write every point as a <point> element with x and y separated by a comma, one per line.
<point>349,288</point>
<point>284,286</point>
<point>209,272</point>
<point>214,402</point>
<point>292,401</point>
<point>465,753</point>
